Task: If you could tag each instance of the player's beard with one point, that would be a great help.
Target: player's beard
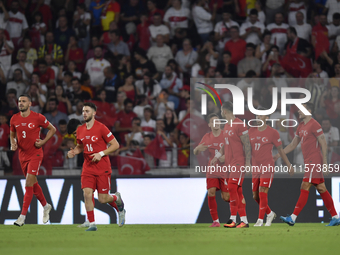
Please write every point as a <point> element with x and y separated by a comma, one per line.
<point>89,119</point>
<point>23,109</point>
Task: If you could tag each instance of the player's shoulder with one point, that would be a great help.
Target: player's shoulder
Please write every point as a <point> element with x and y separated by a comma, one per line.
<point>273,131</point>
<point>15,116</point>
<point>315,122</point>
<point>252,130</point>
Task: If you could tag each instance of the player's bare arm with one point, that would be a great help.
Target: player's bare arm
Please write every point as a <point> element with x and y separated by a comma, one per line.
<point>285,159</point>
<point>77,150</point>
<point>201,147</point>
<point>221,159</point>
<point>113,146</point>
<point>218,156</point>
<point>324,149</point>
<point>51,131</point>
<point>247,149</point>
<point>14,145</point>
<point>290,147</point>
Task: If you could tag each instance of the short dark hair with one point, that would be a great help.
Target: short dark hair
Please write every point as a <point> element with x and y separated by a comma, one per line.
<point>25,95</point>
<point>211,115</point>
<point>227,53</point>
<point>326,118</point>
<point>254,12</point>
<point>92,105</point>
<point>72,125</point>
<point>116,32</point>
<point>62,122</point>
<point>250,74</point>
<point>266,32</point>
<point>18,69</point>
<point>53,99</point>
<point>68,73</point>
<point>228,106</point>
<point>42,62</point>
<point>127,101</point>
<point>12,91</point>
<point>336,15</point>
<point>148,109</point>
<point>235,27</point>
<point>136,118</point>
<point>309,106</point>
<point>250,45</point>
<point>292,30</point>
<point>75,79</point>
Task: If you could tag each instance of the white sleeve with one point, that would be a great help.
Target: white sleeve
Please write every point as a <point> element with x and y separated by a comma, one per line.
<point>166,30</point>
<point>150,53</point>
<point>87,65</point>
<point>243,29</point>
<point>10,73</point>
<point>335,134</point>
<point>30,68</point>
<point>217,27</point>
<point>327,4</point>
<point>203,14</point>
<point>262,28</point>
<point>24,23</point>
<point>166,16</point>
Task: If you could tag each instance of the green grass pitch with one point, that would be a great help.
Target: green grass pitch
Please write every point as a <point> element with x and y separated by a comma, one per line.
<point>300,239</point>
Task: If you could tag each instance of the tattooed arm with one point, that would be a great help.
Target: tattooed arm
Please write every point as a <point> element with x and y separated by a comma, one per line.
<point>247,148</point>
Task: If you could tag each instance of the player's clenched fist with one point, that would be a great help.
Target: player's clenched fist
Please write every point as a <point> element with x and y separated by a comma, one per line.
<point>96,157</point>
<point>14,146</point>
<point>71,153</point>
<point>39,143</point>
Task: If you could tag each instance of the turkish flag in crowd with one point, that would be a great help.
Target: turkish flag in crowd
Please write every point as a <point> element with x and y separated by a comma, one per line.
<point>297,65</point>
<point>156,148</point>
<point>193,126</point>
<point>131,165</point>
<point>106,113</point>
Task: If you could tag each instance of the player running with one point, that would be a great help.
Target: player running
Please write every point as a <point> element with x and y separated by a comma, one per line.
<point>262,140</point>
<point>238,160</point>
<point>214,142</point>
<point>92,139</point>
<point>25,135</point>
<point>72,126</point>
<point>310,133</point>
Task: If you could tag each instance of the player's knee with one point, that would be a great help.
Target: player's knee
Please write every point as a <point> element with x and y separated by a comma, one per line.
<point>226,197</point>
<point>321,189</point>
<point>211,193</point>
<point>87,195</point>
<point>102,200</point>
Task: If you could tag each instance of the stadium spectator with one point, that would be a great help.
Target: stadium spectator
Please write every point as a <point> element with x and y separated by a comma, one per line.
<point>78,114</point>
<point>251,31</point>
<point>273,7</point>
<point>297,45</point>
<point>39,27</point>
<point>331,133</point>
<point>160,54</point>
<point>303,29</point>
<point>81,25</point>
<point>31,53</point>
<point>162,104</point>
<point>329,100</point>
<point>143,32</point>
<point>129,88</point>
<point>183,95</point>
<point>203,19</point>
<point>4,16</point>
<point>171,149</point>
<point>94,43</point>
<point>278,31</point>
<point>183,150</point>
<point>111,84</point>
<point>75,54</point>
<point>95,67</point>
<point>226,68</point>
<point>17,24</point>
<point>4,145</point>
<point>317,66</point>
<point>26,68</point>
<point>273,57</point>
<point>142,103</point>
<point>63,33</point>
<point>222,29</point>
<point>315,86</point>
<point>52,48</point>
<point>186,57</point>
<point>136,133</point>
<point>170,81</point>
<point>320,39</point>
<point>236,45</point>
<point>177,16</point>
<point>293,7</point>
<point>78,93</point>
<point>331,7</point>
<point>119,105</point>
<point>260,12</point>
<point>6,50</point>
<point>123,124</point>
<point>96,8</point>
<point>157,28</point>
<point>45,73</point>
<point>148,124</point>
<point>148,158</point>
<point>35,79</point>
<point>131,10</point>
<point>11,106</point>
<point>64,103</point>
<point>264,47</point>
<point>42,7</point>
<point>148,87</point>
<point>143,63</point>
<point>117,46</point>
<point>333,29</point>
<point>38,100</point>
<point>50,64</point>
<point>152,10</point>
<point>18,83</point>
<point>53,115</point>
<point>249,62</point>
<point>170,121</point>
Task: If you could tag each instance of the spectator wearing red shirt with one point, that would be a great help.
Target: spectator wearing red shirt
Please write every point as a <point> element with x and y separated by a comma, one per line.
<point>124,120</point>
<point>152,8</point>
<point>44,9</point>
<point>46,74</point>
<point>236,45</point>
<point>320,39</point>
<point>75,54</point>
<point>94,42</point>
<point>105,38</point>
<point>143,32</point>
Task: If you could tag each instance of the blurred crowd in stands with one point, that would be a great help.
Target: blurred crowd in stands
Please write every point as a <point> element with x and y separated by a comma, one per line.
<point>134,60</point>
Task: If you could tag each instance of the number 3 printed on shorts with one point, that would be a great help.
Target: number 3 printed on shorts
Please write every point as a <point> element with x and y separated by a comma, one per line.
<point>23,134</point>
<point>89,147</point>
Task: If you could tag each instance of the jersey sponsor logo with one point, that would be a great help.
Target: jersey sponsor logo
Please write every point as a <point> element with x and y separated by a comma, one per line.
<point>94,138</point>
<point>264,139</point>
<point>23,124</point>
<point>87,137</point>
<point>258,138</point>
<point>215,144</point>
<point>31,125</point>
<point>109,134</point>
